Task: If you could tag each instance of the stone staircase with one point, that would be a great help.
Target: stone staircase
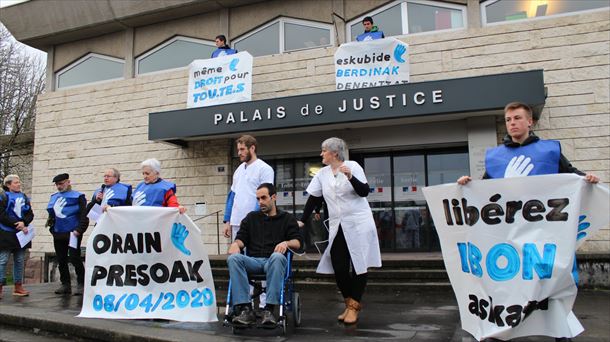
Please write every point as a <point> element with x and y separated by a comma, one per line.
<point>400,272</point>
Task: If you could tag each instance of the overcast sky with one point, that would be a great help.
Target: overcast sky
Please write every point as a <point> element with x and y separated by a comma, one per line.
<point>4,3</point>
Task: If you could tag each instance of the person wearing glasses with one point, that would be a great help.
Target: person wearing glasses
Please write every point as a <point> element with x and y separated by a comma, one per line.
<point>112,193</point>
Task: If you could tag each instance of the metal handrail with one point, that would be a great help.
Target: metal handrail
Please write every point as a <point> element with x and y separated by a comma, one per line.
<point>217,213</point>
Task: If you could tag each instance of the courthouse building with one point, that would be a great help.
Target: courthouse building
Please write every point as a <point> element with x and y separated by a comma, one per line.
<point>117,89</point>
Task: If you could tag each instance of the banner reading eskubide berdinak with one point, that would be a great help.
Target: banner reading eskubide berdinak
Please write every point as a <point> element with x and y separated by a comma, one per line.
<point>148,262</point>
<point>221,80</point>
<point>509,247</point>
<point>372,63</point>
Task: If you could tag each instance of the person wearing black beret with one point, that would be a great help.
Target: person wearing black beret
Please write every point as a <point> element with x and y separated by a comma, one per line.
<point>68,216</point>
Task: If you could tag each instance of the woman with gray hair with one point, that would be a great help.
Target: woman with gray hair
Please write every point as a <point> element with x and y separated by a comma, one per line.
<point>15,216</point>
<point>155,191</point>
<point>353,242</point>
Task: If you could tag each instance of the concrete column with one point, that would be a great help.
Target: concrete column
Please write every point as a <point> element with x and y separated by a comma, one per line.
<point>129,69</point>
<point>50,76</point>
<point>474,13</point>
<point>481,136</point>
<point>338,17</point>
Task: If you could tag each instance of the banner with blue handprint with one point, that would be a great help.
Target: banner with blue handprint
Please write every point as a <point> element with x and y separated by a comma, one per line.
<point>148,262</point>
<point>509,249</point>
<point>215,81</point>
<point>371,63</point>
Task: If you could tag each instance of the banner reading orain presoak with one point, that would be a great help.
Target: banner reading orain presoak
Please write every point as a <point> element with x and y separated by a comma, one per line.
<point>221,80</point>
<point>371,63</point>
<point>148,262</point>
<point>509,248</point>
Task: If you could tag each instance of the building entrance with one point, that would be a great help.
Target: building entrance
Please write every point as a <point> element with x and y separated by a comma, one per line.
<point>396,179</point>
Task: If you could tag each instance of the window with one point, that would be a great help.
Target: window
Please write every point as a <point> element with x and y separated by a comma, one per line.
<point>412,16</point>
<point>396,198</point>
<point>261,43</point>
<point>90,69</point>
<point>388,20</point>
<point>423,18</point>
<point>177,52</point>
<point>502,10</point>
<point>285,35</point>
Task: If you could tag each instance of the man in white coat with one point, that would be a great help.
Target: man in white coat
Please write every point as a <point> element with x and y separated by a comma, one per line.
<point>242,198</point>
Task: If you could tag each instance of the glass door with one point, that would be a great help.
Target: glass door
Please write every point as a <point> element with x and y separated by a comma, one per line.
<point>395,179</point>
<point>284,185</point>
<point>378,172</point>
<point>409,202</point>
<point>315,232</point>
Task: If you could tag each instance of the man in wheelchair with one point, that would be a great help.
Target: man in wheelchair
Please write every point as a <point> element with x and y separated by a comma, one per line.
<point>266,236</point>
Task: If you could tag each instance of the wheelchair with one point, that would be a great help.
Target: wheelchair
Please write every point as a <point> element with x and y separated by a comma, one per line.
<point>290,303</point>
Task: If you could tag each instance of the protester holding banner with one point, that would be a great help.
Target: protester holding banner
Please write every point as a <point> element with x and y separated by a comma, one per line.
<point>522,153</point>
<point>266,234</point>
<point>68,222</point>
<point>15,216</point>
<point>155,191</point>
<point>371,32</point>
<point>222,48</point>
<point>352,233</point>
<point>111,193</point>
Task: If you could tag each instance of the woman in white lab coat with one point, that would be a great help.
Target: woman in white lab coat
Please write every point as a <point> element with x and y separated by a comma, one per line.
<point>353,242</point>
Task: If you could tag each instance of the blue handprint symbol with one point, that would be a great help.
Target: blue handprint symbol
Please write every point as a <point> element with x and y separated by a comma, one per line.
<point>398,52</point>
<point>179,234</point>
<point>582,226</point>
<point>233,64</point>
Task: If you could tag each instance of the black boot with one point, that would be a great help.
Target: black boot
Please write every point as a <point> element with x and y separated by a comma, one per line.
<point>79,290</point>
<point>64,289</point>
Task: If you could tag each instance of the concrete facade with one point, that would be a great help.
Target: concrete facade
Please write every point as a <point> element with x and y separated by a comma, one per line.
<point>85,129</point>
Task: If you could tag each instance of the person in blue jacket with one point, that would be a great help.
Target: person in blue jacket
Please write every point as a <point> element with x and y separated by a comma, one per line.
<point>112,193</point>
<point>222,49</point>
<point>155,191</point>
<point>371,32</point>
<point>15,216</point>
<point>522,153</point>
<point>68,216</point>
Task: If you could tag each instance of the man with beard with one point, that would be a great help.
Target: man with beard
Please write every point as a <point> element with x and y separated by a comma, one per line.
<point>249,175</point>
<point>242,198</point>
<point>266,235</point>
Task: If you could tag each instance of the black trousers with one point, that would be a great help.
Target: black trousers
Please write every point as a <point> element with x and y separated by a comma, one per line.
<point>64,254</point>
<point>350,284</point>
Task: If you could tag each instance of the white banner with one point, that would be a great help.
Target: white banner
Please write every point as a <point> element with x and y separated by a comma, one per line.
<point>221,80</point>
<point>371,63</point>
<point>509,247</point>
<point>148,262</point>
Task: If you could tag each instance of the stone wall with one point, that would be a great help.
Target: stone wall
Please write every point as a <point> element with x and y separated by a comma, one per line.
<point>86,129</point>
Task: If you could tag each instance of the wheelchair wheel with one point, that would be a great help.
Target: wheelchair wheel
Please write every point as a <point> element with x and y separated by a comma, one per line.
<point>296,309</point>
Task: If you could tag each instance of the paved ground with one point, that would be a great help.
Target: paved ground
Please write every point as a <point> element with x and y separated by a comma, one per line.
<point>425,316</point>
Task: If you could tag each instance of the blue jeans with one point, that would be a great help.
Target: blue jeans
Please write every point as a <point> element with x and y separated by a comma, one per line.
<point>273,267</point>
<point>18,258</point>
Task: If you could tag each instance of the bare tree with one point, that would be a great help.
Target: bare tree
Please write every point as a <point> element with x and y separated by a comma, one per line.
<point>22,79</point>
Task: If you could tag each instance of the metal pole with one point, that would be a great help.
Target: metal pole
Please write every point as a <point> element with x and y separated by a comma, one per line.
<point>217,233</point>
